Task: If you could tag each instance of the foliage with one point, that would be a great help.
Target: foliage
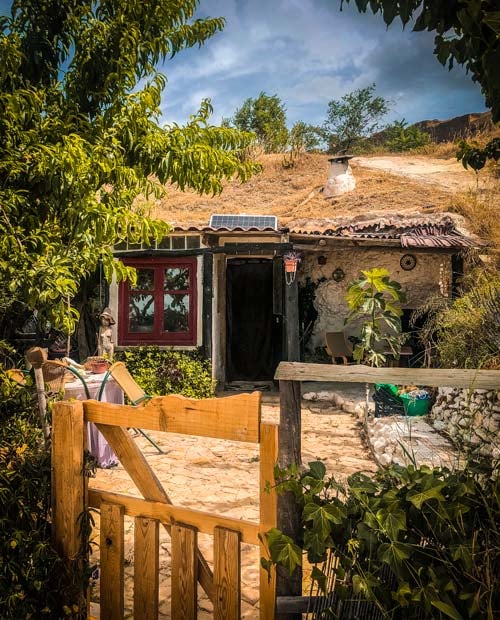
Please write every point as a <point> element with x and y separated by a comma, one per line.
<point>301,139</point>
<point>375,301</point>
<point>471,154</point>
<point>266,117</point>
<point>412,541</point>
<point>170,372</point>
<point>400,137</point>
<point>466,333</point>
<point>352,118</point>
<point>34,581</point>
<point>467,32</point>
<point>80,139</point>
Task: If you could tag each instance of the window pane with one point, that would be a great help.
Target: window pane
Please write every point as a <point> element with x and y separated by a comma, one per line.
<point>193,242</point>
<point>176,313</point>
<point>178,243</point>
<point>164,243</point>
<point>176,279</point>
<point>141,310</point>
<point>145,280</point>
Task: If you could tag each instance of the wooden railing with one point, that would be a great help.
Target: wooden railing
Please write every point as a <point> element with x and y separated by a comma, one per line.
<point>290,604</point>
<point>235,418</point>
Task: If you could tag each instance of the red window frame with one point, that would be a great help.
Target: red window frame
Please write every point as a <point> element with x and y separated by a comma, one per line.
<point>158,336</point>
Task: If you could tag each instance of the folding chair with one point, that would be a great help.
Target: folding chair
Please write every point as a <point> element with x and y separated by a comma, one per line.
<point>132,389</point>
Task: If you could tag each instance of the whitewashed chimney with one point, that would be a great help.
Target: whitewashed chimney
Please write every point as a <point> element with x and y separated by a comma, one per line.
<point>340,178</point>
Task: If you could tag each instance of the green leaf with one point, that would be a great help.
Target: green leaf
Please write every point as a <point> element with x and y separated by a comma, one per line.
<point>392,521</point>
<point>283,550</point>
<point>448,609</point>
<point>317,469</point>
<point>394,554</point>
<point>418,499</point>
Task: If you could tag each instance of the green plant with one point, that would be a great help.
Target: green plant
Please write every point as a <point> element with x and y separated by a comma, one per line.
<point>353,118</point>
<point>399,137</point>
<point>82,151</point>
<point>411,541</point>
<point>170,372</point>
<point>34,580</point>
<point>375,303</point>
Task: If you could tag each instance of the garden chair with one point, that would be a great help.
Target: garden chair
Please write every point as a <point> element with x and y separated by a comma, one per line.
<point>132,390</point>
<point>337,347</point>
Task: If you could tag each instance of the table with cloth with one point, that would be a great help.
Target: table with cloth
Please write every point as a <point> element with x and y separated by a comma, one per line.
<point>112,393</point>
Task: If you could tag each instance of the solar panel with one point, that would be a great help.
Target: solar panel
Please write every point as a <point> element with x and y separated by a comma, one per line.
<point>231,222</point>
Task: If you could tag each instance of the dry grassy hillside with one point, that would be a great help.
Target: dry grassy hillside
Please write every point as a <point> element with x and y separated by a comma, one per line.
<point>295,193</point>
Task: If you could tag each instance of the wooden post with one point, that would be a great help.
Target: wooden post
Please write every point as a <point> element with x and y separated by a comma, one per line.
<point>42,403</point>
<point>208,267</point>
<point>290,446</point>
<point>69,485</point>
<point>292,321</point>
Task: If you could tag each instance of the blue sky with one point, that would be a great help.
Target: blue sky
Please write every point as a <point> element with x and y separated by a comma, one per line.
<point>308,52</point>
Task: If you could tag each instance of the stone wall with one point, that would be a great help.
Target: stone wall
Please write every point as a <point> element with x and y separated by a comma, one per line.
<point>471,419</point>
<point>431,276</point>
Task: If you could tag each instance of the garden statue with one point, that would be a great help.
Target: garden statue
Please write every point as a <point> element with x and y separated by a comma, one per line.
<point>105,345</point>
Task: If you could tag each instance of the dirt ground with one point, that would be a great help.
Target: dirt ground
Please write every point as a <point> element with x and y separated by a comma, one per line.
<point>446,173</point>
<point>222,477</point>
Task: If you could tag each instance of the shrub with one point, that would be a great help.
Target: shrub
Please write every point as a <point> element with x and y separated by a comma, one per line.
<point>170,372</point>
<point>417,543</point>
<point>34,581</point>
<point>400,137</point>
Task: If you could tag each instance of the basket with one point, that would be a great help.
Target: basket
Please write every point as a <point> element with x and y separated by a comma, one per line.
<point>413,406</point>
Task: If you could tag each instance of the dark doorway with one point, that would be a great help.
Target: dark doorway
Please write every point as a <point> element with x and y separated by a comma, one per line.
<point>253,333</point>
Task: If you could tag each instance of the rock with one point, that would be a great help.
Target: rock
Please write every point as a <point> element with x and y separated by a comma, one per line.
<point>385,459</point>
<point>310,396</point>
<point>439,425</point>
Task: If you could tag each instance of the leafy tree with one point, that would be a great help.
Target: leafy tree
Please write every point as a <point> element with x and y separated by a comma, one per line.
<point>467,32</point>
<point>80,139</point>
<point>266,117</point>
<point>352,118</point>
<point>304,137</point>
<point>400,137</point>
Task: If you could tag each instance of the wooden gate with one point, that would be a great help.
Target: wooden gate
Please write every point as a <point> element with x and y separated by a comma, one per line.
<point>235,418</point>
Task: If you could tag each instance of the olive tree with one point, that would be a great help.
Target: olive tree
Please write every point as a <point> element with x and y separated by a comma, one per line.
<point>81,140</point>
<point>266,117</point>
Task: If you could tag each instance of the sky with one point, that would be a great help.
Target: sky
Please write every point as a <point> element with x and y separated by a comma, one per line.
<point>308,52</point>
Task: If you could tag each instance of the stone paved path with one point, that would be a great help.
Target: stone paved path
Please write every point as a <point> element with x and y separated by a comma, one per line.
<point>222,477</point>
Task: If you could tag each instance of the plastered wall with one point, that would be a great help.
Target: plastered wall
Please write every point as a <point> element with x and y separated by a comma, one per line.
<point>430,276</point>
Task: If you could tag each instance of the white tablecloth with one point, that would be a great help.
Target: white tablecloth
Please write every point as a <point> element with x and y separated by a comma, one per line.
<point>98,446</point>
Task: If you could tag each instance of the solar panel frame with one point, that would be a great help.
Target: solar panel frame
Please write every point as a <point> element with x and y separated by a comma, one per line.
<point>244,221</point>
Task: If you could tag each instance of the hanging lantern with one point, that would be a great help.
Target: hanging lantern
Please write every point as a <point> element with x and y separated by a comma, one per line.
<point>291,261</point>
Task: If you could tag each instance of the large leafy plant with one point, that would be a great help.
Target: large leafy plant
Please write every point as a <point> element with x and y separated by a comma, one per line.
<point>417,543</point>
<point>375,305</point>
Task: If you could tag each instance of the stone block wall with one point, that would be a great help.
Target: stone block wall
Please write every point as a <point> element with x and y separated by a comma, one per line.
<point>471,418</point>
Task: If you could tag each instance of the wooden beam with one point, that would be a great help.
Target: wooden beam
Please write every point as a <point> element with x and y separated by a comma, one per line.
<point>268,515</point>
<point>146,567</point>
<point>292,322</point>
<point>184,569</point>
<point>112,556</point>
<point>290,447</point>
<point>69,485</point>
<point>227,574</point>
<point>433,377</point>
<point>204,522</point>
<point>236,418</point>
<point>208,267</point>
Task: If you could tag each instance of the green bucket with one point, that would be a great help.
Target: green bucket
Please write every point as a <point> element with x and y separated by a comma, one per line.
<point>414,406</point>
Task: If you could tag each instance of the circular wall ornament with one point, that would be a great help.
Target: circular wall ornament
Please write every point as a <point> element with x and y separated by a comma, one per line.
<point>408,262</point>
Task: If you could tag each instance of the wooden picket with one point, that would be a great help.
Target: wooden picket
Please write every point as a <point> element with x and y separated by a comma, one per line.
<point>236,418</point>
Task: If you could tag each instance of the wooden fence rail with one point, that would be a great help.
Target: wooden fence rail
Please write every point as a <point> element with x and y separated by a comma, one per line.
<point>236,418</point>
<point>290,375</point>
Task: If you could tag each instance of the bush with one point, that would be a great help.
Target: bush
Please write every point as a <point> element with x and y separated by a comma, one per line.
<point>34,581</point>
<point>400,137</point>
<point>170,372</point>
<point>417,543</point>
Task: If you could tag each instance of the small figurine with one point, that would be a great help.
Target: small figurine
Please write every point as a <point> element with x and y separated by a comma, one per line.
<point>105,345</point>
